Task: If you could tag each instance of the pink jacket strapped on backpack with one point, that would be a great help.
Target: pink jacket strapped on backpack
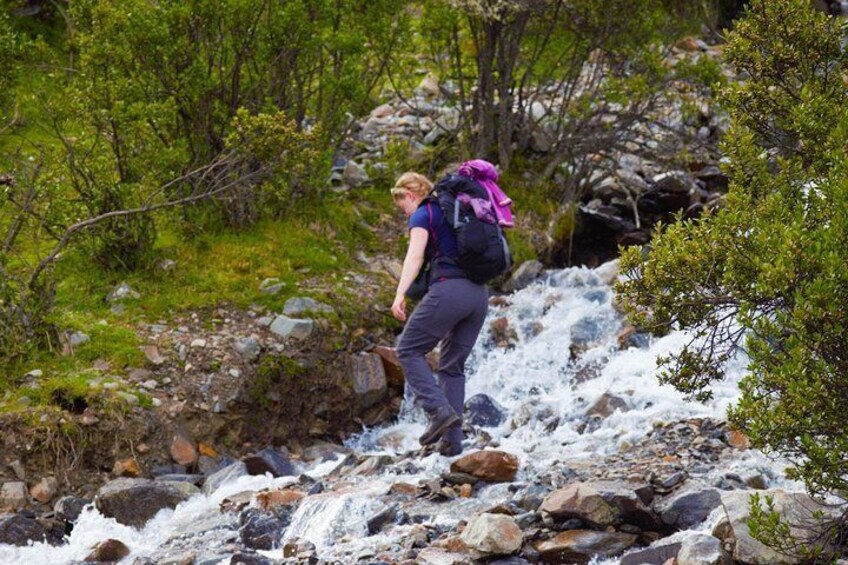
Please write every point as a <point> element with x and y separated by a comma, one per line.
<point>486,175</point>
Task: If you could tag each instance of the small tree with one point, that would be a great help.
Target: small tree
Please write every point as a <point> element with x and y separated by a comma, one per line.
<point>766,273</point>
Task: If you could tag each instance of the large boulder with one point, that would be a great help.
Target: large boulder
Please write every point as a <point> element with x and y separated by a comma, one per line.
<point>482,410</point>
<point>492,534</point>
<point>794,508</point>
<point>688,507</point>
<point>489,465</point>
<point>601,504</point>
<point>133,502</point>
<point>580,546</point>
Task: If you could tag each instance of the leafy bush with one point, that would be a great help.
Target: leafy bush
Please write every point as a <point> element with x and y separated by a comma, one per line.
<point>766,273</point>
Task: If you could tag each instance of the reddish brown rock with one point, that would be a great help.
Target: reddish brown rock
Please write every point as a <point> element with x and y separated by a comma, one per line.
<point>126,468</point>
<point>394,372</point>
<point>737,439</point>
<point>270,500</point>
<point>109,551</point>
<point>183,450</point>
<point>489,465</point>
<point>206,450</point>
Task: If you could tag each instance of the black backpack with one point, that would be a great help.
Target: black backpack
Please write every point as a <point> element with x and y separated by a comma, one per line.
<point>483,248</point>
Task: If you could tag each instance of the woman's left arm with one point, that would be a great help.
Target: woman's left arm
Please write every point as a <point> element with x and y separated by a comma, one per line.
<point>411,265</point>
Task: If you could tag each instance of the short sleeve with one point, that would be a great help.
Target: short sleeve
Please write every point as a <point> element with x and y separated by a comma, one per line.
<point>419,219</point>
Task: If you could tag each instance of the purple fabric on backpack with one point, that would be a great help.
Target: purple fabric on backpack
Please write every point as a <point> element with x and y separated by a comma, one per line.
<point>483,209</point>
<point>486,176</point>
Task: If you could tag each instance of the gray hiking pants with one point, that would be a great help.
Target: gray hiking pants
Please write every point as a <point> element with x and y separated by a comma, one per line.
<point>452,312</point>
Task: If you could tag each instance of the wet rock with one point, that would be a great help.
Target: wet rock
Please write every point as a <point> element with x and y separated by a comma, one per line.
<point>13,496</point>
<point>658,553</point>
<point>492,534</point>
<point>795,509</point>
<point>45,489</point>
<point>68,508</point>
<point>608,272</point>
<point>368,378</point>
<point>244,558</point>
<point>323,451</point>
<point>481,410</point>
<point>107,551</point>
<point>269,460</point>
<point>294,328</point>
<point>525,274</point>
<point>133,502</point>
<point>261,530</point>
<point>688,507</point>
<point>580,546</point>
<point>583,502</point>
<point>490,465</point>
<point>606,405</point>
<point>183,450</point>
<point>21,530</point>
<point>380,520</point>
<point>701,549</point>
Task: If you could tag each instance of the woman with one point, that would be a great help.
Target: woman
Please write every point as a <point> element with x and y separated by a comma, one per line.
<point>452,311</point>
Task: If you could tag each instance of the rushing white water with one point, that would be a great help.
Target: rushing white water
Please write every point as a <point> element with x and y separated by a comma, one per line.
<point>542,388</point>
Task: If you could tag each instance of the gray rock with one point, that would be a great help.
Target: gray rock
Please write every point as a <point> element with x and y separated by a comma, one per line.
<point>78,338</point>
<point>380,520</point>
<point>795,509</point>
<point>68,508</point>
<point>294,328</point>
<point>492,534</point>
<point>122,292</point>
<point>261,530</point>
<point>133,502</point>
<point>673,181</point>
<point>271,286</point>
<point>248,347</point>
<point>354,174</point>
<point>368,378</point>
<point>688,507</point>
<point>657,554</point>
<point>701,549</point>
<point>225,475</point>
<point>302,305</point>
<point>20,530</point>
<point>525,274</point>
<point>14,495</point>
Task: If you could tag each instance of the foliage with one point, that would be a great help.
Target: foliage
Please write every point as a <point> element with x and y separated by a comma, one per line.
<point>765,274</point>
<point>9,56</point>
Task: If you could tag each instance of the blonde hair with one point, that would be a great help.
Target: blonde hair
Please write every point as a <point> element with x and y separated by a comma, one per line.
<point>415,183</point>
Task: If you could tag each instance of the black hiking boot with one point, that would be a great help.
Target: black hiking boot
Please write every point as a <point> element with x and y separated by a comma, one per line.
<point>439,421</point>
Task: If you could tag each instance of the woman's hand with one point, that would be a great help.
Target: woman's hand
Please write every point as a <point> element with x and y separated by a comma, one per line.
<point>399,308</point>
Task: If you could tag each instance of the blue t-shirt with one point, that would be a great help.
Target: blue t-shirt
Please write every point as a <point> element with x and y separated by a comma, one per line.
<point>441,240</point>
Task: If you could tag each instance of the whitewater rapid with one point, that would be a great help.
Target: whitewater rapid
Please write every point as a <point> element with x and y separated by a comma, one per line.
<point>544,389</point>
